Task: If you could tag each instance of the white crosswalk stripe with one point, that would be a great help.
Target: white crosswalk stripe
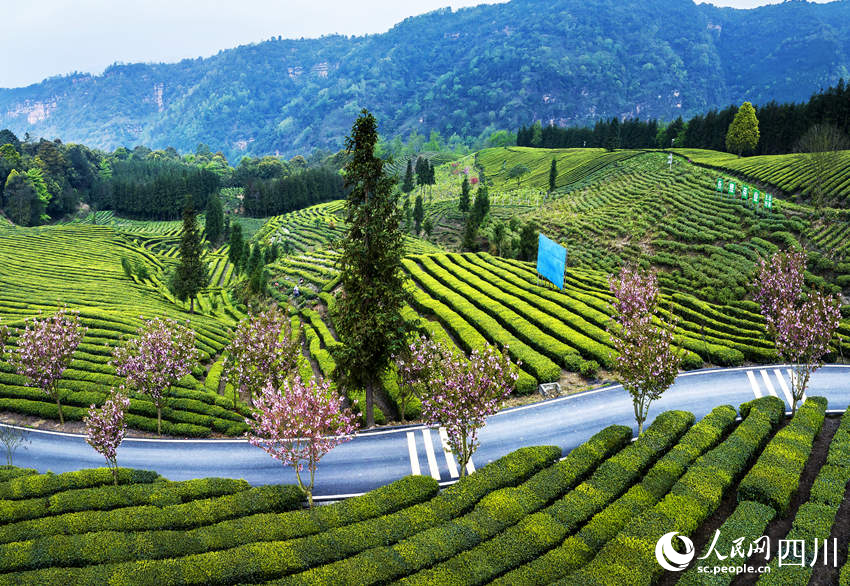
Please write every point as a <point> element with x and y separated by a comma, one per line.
<point>768,384</point>
<point>754,384</point>
<point>414,457</point>
<point>784,386</point>
<point>429,452</point>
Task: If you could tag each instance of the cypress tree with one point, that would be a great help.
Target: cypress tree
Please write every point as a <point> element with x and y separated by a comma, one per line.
<point>463,204</point>
<point>191,275</point>
<point>407,185</point>
<point>743,134</point>
<point>214,221</point>
<point>482,205</point>
<point>367,313</point>
<point>234,255</point>
<point>418,214</point>
<point>553,175</point>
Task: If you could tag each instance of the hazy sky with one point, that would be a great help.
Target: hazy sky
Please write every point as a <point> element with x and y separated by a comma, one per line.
<point>52,37</point>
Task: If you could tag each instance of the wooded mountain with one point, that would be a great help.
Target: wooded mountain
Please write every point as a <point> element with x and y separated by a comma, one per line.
<point>467,72</point>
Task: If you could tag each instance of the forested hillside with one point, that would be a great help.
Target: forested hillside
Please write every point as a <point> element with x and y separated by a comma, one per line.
<point>463,73</point>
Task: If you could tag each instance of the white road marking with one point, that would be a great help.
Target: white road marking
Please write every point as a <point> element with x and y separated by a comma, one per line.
<point>754,384</point>
<point>447,452</point>
<point>470,467</point>
<point>768,384</point>
<point>784,386</point>
<point>429,451</point>
<point>791,375</point>
<point>414,457</point>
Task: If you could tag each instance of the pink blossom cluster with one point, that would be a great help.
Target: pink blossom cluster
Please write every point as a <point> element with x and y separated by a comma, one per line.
<point>105,427</point>
<point>474,180</point>
<point>262,352</point>
<point>802,329</point>
<point>4,337</point>
<point>45,349</point>
<point>463,392</point>
<point>161,354</point>
<point>779,282</point>
<point>646,360</point>
<point>299,423</point>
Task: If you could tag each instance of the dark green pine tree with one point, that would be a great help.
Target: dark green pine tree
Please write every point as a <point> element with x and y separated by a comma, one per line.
<point>367,314</point>
<point>234,255</point>
<point>528,242</point>
<point>463,204</point>
<point>407,184</point>
<point>421,171</point>
<point>214,220</point>
<point>553,175</point>
<point>418,214</point>
<point>481,207</point>
<point>246,256</point>
<point>470,234</point>
<point>191,275</point>
<point>254,260</point>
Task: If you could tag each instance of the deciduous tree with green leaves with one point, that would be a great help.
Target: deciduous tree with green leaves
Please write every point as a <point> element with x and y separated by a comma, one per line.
<point>743,134</point>
<point>367,314</point>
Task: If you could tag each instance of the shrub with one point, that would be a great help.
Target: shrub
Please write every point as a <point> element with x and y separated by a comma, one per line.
<point>694,497</point>
<point>775,477</point>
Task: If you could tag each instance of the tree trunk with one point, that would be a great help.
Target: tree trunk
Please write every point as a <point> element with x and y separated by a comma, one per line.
<point>370,408</point>
<point>192,305</point>
<point>59,406</point>
<point>159,420</point>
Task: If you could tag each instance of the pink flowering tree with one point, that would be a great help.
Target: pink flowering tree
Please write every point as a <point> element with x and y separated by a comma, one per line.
<point>263,352</point>
<point>45,349</point>
<point>162,353</point>
<point>298,424</point>
<point>4,338</point>
<point>646,360</point>
<point>105,427</point>
<point>462,393</point>
<point>415,369</point>
<point>802,330</point>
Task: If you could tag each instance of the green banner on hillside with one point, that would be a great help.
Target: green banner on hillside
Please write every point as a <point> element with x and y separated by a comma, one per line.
<point>731,188</point>
<point>720,184</point>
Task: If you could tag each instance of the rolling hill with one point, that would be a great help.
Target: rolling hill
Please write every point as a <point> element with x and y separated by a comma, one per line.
<point>465,72</point>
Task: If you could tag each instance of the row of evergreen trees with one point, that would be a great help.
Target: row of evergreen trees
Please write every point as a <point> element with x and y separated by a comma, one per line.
<point>154,190</point>
<point>781,127</point>
<point>279,196</point>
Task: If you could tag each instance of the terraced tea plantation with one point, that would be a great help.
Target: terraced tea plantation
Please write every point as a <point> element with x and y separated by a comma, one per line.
<point>80,266</point>
<point>790,173</point>
<point>532,517</point>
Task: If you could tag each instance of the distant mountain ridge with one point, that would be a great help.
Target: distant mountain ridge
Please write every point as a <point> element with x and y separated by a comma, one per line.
<point>467,71</point>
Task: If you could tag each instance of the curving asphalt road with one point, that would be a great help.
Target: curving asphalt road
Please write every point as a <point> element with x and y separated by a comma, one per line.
<point>375,458</point>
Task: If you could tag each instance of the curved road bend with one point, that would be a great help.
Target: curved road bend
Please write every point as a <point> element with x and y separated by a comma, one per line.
<point>375,458</point>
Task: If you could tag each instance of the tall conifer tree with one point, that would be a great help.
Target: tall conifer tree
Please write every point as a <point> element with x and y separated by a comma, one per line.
<point>367,314</point>
<point>191,275</point>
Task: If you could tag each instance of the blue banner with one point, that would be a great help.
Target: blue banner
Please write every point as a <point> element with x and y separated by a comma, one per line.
<point>551,261</point>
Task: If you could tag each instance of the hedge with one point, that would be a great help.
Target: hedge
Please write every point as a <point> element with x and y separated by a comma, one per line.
<point>541,367</point>
<point>495,512</point>
<point>123,544</point>
<point>467,336</point>
<point>578,549</point>
<point>31,486</point>
<point>107,497</point>
<point>775,477</point>
<point>320,544</point>
<point>541,531</point>
<point>551,319</point>
<point>816,517</point>
<point>630,556</point>
<point>749,520</point>
<point>194,513</point>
